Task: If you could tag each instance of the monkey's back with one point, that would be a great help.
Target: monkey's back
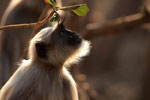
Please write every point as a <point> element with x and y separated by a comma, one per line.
<point>37,83</point>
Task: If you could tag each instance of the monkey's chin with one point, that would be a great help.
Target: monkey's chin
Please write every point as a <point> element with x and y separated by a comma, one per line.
<point>83,50</point>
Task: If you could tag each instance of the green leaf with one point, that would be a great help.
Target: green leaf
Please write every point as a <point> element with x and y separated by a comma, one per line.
<point>55,17</point>
<point>52,3</point>
<point>82,10</point>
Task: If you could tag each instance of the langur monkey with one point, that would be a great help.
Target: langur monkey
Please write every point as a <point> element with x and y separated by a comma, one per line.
<point>45,75</point>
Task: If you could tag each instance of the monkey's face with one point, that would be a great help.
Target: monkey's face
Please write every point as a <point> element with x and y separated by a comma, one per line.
<point>65,38</point>
<point>56,45</point>
<point>69,38</point>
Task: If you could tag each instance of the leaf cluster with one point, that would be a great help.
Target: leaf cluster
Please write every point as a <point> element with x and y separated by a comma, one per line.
<point>81,10</point>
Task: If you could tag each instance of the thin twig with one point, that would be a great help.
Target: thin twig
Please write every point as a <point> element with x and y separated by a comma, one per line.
<point>42,16</point>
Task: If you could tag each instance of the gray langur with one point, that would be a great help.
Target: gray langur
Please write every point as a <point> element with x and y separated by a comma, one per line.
<point>44,76</point>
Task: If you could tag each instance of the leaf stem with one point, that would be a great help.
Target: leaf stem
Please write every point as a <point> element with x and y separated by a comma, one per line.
<point>69,7</point>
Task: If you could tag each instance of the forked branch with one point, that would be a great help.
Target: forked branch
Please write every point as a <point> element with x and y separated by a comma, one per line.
<point>39,23</point>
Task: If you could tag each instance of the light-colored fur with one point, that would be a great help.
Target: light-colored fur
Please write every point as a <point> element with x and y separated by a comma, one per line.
<point>36,79</point>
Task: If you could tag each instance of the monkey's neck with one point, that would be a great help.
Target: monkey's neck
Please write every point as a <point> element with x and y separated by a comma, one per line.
<point>47,67</point>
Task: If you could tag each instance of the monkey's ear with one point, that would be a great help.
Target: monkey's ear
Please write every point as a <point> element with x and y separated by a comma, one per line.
<point>41,50</point>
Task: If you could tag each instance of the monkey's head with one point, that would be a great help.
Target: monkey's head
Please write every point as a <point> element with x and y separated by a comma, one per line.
<point>57,45</point>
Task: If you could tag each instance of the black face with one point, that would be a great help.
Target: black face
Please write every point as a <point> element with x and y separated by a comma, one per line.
<point>71,38</point>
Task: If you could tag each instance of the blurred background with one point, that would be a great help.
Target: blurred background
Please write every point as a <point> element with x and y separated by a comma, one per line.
<point>118,67</point>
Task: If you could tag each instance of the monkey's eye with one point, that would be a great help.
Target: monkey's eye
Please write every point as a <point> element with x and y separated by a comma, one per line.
<point>64,33</point>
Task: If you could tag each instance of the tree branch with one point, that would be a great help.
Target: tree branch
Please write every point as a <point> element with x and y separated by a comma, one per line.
<point>118,25</point>
<point>30,25</point>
